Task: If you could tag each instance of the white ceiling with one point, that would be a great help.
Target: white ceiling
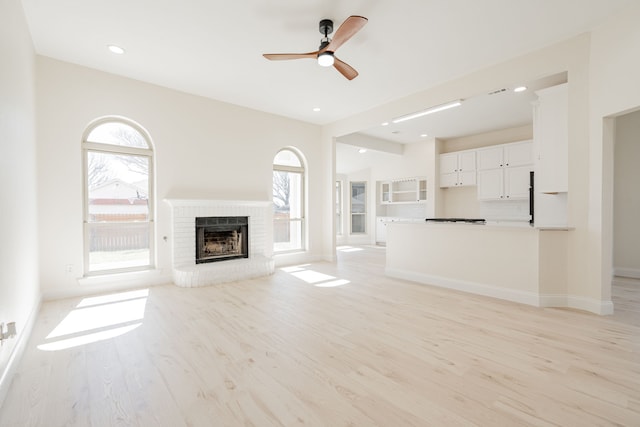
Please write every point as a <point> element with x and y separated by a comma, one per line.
<point>501,108</point>
<point>214,48</point>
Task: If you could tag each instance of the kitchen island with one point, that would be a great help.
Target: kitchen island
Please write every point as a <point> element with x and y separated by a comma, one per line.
<point>516,263</point>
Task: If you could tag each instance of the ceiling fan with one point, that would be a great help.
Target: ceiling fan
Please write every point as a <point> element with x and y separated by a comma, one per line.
<point>325,53</point>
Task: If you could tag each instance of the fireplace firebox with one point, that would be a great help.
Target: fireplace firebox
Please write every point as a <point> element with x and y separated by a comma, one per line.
<point>221,238</point>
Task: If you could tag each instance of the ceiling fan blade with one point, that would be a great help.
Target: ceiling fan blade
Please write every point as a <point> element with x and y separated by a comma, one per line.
<point>348,29</point>
<point>345,69</point>
<point>285,56</point>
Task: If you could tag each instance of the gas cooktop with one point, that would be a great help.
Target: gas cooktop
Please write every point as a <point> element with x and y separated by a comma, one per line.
<point>469,220</point>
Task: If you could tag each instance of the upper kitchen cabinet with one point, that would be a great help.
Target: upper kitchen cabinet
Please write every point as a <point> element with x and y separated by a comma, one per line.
<point>385,192</point>
<point>550,121</point>
<point>407,190</point>
<point>505,155</point>
<point>458,169</point>
<point>503,171</point>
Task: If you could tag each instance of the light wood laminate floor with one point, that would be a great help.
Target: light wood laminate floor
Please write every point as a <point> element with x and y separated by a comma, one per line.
<point>327,344</point>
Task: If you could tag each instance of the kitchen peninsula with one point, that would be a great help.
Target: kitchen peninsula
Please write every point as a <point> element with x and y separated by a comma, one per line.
<point>516,263</point>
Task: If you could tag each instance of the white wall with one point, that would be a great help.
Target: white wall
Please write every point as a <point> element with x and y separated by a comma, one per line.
<point>614,90</point>
<point>626,209</point>
<point>19,289</point>
<point>204,149</point>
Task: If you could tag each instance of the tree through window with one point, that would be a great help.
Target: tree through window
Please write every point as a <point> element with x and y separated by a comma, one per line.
<point>288,202</point>
<point>118,208</point>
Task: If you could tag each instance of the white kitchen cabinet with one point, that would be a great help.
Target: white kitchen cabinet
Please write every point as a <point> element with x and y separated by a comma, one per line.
<point>381,230</point>
<point>505,155</point>
<point>490,158</point>
<point>518,154</point>
<point>551,138</point>
<point>510,183</point>
<point>551,145</point>
<point>422,189</point>
<point>407,190</point>
<point>385,192</point>
<point>491,184</point>
<point>504,184</point>
<point>503,171</point>
<point>458,169</point>
<point>381,227</point>
<point>517,182</point>
<point>448,163</point>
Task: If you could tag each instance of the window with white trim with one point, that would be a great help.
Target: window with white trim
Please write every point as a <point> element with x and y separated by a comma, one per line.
<point>118,197</point>
<point>288,202</point>
<point>358,207</point>
<point>339,208</point>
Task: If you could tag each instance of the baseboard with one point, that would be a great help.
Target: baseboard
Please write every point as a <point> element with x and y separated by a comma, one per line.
<point>553,300</point>
<point>590,304</point>
<point>18,350</point>
<point>330,257</point>
<point>93,285</point>
<point>523,297</point>
<point>580,303</point>
<point>286,259</point>
<point>633,273</point>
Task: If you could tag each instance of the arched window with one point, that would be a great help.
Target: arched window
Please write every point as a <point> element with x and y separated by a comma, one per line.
<point>288,202</point>
<point>118,197</point>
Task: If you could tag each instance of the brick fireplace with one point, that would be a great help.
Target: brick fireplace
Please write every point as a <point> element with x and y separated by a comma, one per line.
<point>240,228</point>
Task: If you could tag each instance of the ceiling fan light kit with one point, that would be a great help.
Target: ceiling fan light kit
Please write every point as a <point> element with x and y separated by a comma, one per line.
<point>325,55</point>
<point>326,59</point>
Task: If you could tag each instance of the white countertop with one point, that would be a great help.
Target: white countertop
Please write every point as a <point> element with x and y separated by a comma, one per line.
<point>518,225</point>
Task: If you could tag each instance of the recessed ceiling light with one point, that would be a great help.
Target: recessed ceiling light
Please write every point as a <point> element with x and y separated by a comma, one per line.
<point>520,89</point>
<point>115,49</point>
<point>362,150</point>
<point>316,109</point>
<point>424,135</point>
<point>385,124</point>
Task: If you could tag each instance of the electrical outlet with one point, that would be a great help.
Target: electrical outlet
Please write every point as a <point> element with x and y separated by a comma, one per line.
<point>69,268</point>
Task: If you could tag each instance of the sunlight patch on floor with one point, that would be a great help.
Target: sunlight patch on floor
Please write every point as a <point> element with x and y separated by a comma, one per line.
<point>97,319</point>
<point>87,338</point>
<point>294,268</point>
<point>315,278</point>
<point>348,249</point>
<point>333,283</point>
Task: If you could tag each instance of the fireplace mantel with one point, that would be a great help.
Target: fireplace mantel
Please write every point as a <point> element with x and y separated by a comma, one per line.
<point>186,273</point>
<point>213,202</point>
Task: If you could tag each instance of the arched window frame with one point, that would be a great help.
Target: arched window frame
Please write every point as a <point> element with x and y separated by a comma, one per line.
<point>107,148</point>
<point>299,220</point>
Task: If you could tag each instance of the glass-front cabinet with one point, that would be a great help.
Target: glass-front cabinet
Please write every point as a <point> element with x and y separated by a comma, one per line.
<point>406,190</point>
<point>385,192</point>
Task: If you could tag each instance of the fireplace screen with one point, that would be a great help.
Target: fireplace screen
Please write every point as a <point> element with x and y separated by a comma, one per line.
<point>221,238</point>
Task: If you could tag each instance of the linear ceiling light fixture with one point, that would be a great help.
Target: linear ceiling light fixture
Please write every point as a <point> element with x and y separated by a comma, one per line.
<point>431,110</point>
